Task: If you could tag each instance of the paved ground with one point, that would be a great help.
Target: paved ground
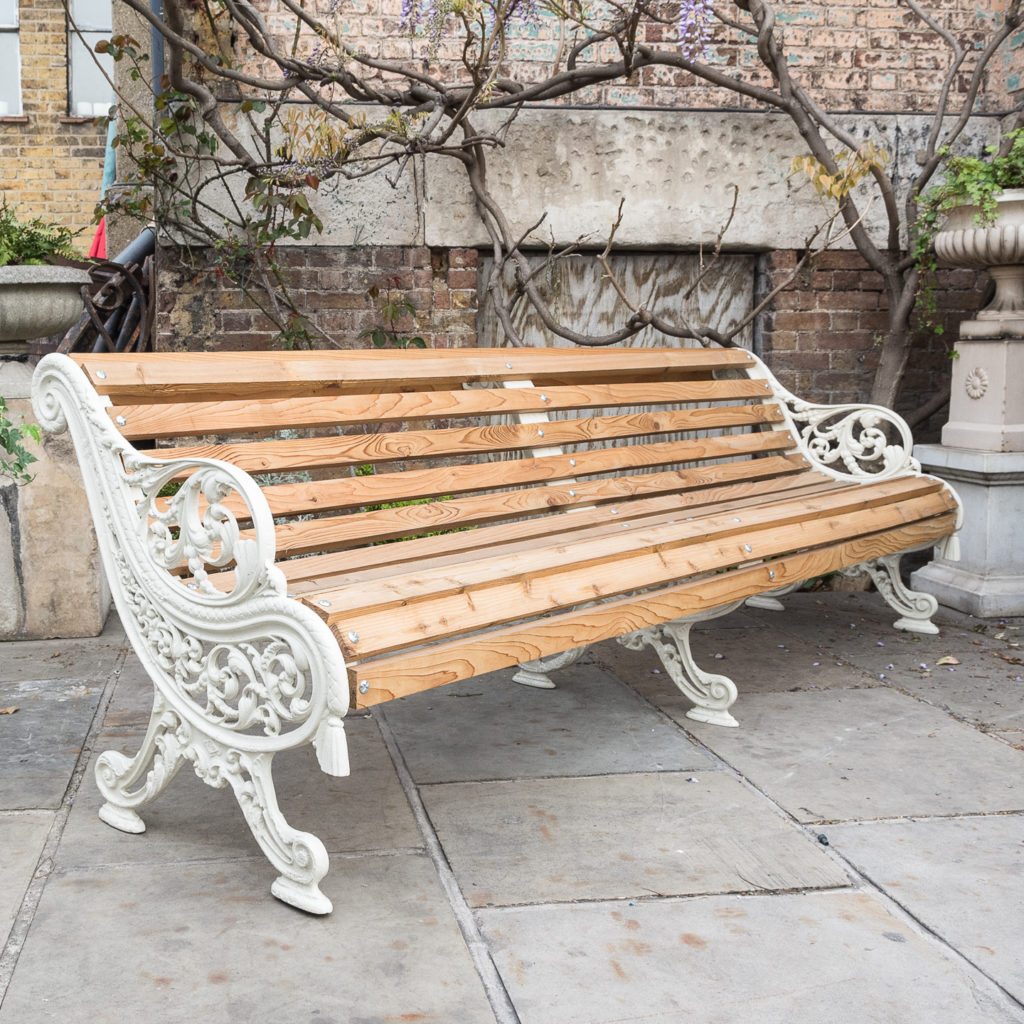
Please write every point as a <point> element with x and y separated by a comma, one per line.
<point>853,853</point>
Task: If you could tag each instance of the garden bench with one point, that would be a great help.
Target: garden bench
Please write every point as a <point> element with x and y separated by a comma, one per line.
<point>345,528</point>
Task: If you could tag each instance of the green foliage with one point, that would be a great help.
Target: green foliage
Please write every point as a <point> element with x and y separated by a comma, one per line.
<point>33,242</point>
<point>973,181</point>
<point>969,181</point>
<point>393,306</point>
<point>14,457</point>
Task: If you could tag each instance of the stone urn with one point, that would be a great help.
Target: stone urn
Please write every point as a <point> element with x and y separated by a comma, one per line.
<point>997,248</point>
<point>37,301</point>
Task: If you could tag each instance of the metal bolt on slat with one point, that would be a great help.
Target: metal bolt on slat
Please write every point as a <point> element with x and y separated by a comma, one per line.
<point>544,398</point>
<point>353,636</point>
<point>121,421</point>
<point>572,462</point>
<point>771,574</point>
<point>324,604</point>
<point>364,686</point>
<point>508,366</point>
<point>102,374</point>
<point>541,432</point>
<point>747,547</point>
<point>572,494</point>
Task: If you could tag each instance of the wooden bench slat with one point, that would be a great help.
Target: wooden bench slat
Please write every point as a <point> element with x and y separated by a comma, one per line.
<point>454,613</point>
<point>353,492</point>
<point>332,533</point>
<point>195,419</point>
<point>625,539</point>
<point>411,672</point>
<point>318,572</point>
<point>173,376</point>
<point>347,450</point>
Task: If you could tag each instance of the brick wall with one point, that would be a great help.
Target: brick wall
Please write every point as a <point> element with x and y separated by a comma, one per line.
<point>331,285</point>
<point>51,164</point>
<point>851,55</point>
<point>820,335</point>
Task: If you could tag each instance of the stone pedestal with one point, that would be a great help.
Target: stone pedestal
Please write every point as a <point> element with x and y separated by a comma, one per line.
<point>982,456</point>
<point>51,580</point>
<point>988,580</point>
<point>986,400</point>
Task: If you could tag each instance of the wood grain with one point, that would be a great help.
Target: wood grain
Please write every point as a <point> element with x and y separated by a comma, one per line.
<point>411,672</point>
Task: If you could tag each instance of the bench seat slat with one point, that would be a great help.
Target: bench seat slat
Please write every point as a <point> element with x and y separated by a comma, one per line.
<point>318,572</point>
<point>509,539</point>
<point>353,492</point>
<point>411,672</point>
<point>179,376</point>
<point>195,419</point>
<point>625,538</point>
<point>347,450</point>
<point>454,612</point>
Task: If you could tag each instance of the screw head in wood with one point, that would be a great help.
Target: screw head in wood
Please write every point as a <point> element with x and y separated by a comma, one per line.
<point>364,686</point>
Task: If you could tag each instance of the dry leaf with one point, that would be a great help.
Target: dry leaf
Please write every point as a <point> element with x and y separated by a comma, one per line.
<point>947,660</point>
<point>8,711</point>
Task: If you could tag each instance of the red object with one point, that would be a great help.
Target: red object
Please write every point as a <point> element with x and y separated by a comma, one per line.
<point>99,241</point>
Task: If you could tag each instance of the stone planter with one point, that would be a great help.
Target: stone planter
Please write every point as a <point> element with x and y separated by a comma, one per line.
<point>997,248</point>
<point>36,302</point>
<point>40,596</point>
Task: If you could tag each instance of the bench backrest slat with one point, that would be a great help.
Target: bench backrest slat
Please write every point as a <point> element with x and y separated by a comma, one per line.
<point>347,450</point>
<point>185,376</point>
<point>352,492</point>
<point>364,528</point>
<point>191,419</point>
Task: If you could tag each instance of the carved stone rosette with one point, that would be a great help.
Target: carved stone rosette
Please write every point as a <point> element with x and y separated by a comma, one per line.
<point>241,673</point>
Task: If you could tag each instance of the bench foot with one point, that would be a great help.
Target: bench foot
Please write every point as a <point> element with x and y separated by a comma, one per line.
<point>154,766</point>
<point>305,897</point>
<point>712,694</point>
<point>121,818</point>
<point>915,608</point>
<point>712,717</point>
<point>535,673</point>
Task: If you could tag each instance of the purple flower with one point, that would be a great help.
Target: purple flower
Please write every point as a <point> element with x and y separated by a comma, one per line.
<point>695,28</point>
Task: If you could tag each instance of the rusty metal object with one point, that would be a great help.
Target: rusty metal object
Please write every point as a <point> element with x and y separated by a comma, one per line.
<point>119,302</point>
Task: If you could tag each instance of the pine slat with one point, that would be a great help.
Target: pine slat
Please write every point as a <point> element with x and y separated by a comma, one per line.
<point>193,376</point>
<point>411,672</point>
<point>195,419</point>
<point>455,611</point>
<point>623,537</point>
<point>712,483</point>
<point>332,452</point>
<point>353,492</point>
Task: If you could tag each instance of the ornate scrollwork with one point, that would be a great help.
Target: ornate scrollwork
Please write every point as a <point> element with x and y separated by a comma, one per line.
<point>855,440</point>
<point>244,663</point>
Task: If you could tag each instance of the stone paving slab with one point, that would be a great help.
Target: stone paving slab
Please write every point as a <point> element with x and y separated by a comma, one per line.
<point>93,657</point>
<point>22,835</point>
<point>493,728</point>
<point>193,821</point>
<point>40,743</point>
<point>815,958</point>
<point>618,836</point>
<point>757,661</point>
<point>849,754</point>
<point>181,943</point>
<point>962,877</point>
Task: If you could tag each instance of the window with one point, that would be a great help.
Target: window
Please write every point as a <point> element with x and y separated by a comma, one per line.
<point>89,93</point>
<point>10,59</point>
